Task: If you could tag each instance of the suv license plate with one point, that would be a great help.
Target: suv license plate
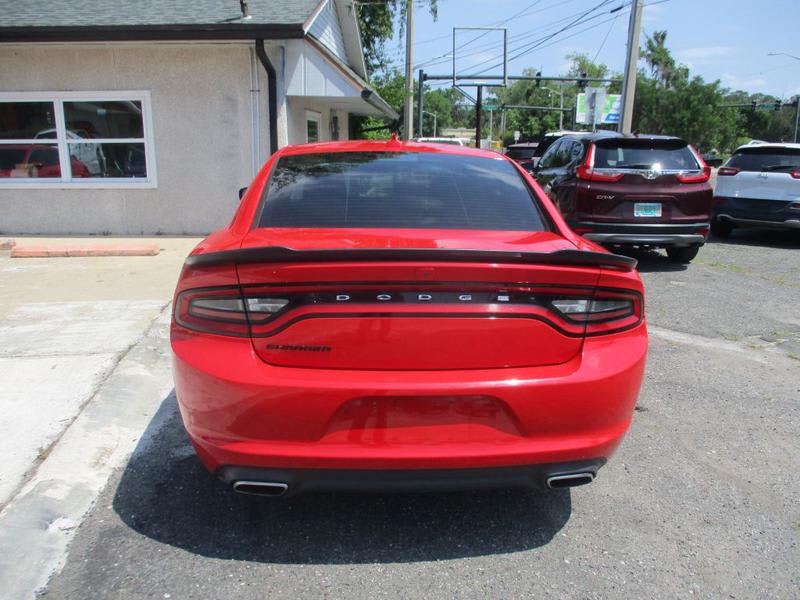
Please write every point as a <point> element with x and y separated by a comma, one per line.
<point>647,209</point>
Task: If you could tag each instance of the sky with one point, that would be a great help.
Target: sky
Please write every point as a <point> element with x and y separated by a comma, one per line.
<point>728,40</point>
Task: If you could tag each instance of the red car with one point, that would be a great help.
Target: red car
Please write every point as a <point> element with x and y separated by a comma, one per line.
<point>400,316</point>
<point>35,160</point>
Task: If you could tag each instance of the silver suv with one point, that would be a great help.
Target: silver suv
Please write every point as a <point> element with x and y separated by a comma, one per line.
<point>759,186</point>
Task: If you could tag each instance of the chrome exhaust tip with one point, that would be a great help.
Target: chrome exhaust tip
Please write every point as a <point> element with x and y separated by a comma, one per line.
<point>571,480</point>
<point>260,488</point>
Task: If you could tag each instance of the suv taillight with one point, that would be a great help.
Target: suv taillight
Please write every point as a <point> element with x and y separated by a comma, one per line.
<point>586,171</point>
<point>702,177</point>
<point>224,310</point>
<point>723,171</point>
<point>795,174</point>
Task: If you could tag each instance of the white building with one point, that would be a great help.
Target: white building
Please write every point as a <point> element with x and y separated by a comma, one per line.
<point>148,116</point>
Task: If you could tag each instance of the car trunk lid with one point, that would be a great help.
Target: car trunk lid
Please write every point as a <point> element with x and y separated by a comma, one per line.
<point>414,300</point>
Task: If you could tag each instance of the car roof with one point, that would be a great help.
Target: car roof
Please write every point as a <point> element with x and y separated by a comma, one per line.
<point>524,145</point>
<point>391,145</point>
<point>775,145</point>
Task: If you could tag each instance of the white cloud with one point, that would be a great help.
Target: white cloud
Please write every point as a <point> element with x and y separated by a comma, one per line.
<point>742,83</point>
<point>704,53</point>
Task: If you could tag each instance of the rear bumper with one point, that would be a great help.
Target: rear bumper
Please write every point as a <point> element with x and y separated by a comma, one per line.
<point>748,212</point>
<point>417,480</point>
<point>242,412</point>
<point>644,234</point>
<point>788,223</point>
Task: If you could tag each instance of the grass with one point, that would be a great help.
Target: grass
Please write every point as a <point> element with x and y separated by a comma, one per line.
<point>43,452</point>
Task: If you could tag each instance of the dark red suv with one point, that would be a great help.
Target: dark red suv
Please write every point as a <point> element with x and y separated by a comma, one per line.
<point>622,190</point>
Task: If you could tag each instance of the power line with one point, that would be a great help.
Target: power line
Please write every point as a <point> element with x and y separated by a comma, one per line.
<point>529,47</point>
<point>537,31</point>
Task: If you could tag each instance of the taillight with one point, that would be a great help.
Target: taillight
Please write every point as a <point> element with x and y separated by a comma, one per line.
<point>726,171</point>
<point>795,174</point>
<point>224,310</point>
<point>606,312</point>
<point>586,171</point>
<point>701,177</point>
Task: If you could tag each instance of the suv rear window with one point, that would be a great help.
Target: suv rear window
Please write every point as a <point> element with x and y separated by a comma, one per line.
<point>667,155</point>
<point>398,190</point>
<point>521,153</point>
<point>765,159</point>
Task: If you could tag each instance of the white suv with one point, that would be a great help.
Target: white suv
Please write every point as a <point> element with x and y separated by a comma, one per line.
<point>759,186</point>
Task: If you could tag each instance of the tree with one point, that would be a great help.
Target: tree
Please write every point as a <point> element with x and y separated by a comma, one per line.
<point>376,21</point>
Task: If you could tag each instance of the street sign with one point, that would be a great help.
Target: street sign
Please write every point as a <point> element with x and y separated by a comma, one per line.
<point>516,135</point>
<point>597,107</point>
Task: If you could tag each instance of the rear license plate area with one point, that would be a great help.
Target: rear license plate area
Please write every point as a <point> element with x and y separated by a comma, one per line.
<point>647,209</point>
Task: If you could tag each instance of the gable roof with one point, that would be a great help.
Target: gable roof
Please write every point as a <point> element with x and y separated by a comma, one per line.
<point>66,20</point>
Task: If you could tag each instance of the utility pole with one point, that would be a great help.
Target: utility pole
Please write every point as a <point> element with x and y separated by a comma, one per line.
<point>420,101</point>
<point>408,113</point>
<point>561,106</point>
<point>631,60</point>
<point>796,116</point>
<point>478,106</point>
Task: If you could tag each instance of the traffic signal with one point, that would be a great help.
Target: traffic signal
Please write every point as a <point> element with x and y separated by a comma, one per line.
<point>754,105</point>
<point>582,81</point>
<point>777,105</point>
<point>538,81</point>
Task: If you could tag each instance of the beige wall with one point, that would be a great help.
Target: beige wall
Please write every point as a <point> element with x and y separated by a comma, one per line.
<point>202,116</point>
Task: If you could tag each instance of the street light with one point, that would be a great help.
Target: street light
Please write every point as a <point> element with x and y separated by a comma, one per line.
<point>797,97</point>
<point>434,120</point>
<point>783,54</point>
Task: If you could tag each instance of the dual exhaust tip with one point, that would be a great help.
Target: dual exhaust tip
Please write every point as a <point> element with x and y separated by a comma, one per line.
<point>273,489</point>
<point>261,488</point>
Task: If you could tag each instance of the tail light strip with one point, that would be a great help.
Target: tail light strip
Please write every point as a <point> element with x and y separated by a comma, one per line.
<point>264,311</point>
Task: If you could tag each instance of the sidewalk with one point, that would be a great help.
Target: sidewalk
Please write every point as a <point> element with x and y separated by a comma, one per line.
<point>64,325</point>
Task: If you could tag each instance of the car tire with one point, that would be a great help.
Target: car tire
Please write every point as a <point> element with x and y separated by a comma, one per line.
<point>683,254</point>
<point>721,229</point>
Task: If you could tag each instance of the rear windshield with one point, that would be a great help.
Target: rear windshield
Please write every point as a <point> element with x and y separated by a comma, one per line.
<point>521,153</point>
<point>660,155</point>
<point>398,190</point>
<point>765,159</point>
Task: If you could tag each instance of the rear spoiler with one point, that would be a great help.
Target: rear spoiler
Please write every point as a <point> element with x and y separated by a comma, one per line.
<point>279,254</point>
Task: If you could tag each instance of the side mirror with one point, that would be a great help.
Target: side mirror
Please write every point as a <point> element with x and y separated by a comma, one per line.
<point>242,192</point>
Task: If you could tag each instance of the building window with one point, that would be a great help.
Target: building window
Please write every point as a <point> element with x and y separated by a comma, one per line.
<point>313,121</point>
<point>76,139</point>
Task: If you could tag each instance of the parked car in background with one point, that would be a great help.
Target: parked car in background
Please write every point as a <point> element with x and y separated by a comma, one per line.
<point>712,160</point>
<point>523,154</point>
<point>759,186</point>
<point>441,140</point>
<point>391,316</point>
<point>90,154</point>
<point>37,161</point>
<point>644,190</point>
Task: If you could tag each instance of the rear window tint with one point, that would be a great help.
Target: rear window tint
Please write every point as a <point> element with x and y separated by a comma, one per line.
<point>398,190</point>
<point>765,159</point>
<point>521,153</point>
<point>644,155</point>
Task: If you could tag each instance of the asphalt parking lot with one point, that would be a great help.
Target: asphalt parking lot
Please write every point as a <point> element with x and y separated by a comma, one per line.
<point>701,499</point>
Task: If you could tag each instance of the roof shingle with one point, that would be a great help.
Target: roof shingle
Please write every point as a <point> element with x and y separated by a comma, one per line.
<point>115,13</point>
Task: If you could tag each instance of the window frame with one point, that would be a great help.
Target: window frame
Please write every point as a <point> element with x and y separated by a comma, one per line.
<point>62,142</point>
<point>312,115</point>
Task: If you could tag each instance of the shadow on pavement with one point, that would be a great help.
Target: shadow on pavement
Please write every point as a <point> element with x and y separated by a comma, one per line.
<point>166,494</point>
<point>651,261</point>
<point>760,237</point>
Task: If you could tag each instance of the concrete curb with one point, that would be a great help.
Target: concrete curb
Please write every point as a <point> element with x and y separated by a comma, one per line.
<point>72,251</point>
<point>7,243</point>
